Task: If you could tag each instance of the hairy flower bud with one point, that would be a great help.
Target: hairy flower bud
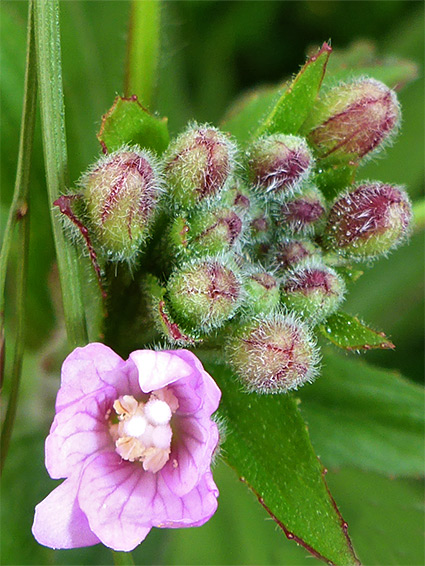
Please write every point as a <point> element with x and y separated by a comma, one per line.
<point>289,253</point>
<point>198,164</point>
<point>368,221</point>
<point>262,294</point>
<point>313,291</point>
<point>278,165</point>
<point>204,293</point>
<point>302,214</point>
<point>214,230</point>
<point>353,119</point>
<point>238,198</point>
<point>273,355</point>
<point>120,193</point>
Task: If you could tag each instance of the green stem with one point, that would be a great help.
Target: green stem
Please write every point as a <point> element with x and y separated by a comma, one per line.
<point>123,558</point>
<point>418,209</point>
<point>24,161</point>
<point>19,213</point>
<point>143,50</point>
<point>46,19</point>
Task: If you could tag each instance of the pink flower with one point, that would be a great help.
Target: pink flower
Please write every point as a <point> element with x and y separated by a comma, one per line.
<point>134,440</point>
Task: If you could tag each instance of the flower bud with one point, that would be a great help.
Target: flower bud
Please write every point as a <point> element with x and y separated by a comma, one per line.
<point>279,164</point>
<point>302,214</point>
<point>313,291</point>
<point>238,198</point>
<point>289,253</point>
<point>368,221</point>
<point>204,293</point>
<point>262,294</point>
<point>353,119</point>
<point>260,227</point>
<point>121,192</point>
<point>198,164</point>
<point>214,230</point>
<point>273,355</point>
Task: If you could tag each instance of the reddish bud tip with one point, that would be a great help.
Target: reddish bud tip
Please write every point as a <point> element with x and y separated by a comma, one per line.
<point>273,355</point>
<point>368,221</point>
<point>354,119</point>
<point>121,192</point>
<point>204,293</point>
<point>278,164</point>
<point>198,164</point>
<point>289,253</point>
<point>313,291</point>
<point>301,214</point>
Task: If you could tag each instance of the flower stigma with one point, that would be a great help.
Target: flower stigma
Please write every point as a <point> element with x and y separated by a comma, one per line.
<point>143,432</point>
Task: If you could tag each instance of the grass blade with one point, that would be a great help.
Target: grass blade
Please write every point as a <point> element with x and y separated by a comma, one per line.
<point>46,20</point>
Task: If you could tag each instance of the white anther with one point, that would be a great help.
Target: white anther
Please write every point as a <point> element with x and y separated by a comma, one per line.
<point>158,412</point>
<point>135,426</point>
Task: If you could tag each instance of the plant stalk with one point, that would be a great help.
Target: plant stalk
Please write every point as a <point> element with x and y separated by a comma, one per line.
<point>18,214</point>
<point>49,67</point>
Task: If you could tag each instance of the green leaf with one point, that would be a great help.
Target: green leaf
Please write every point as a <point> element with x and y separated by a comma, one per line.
<point>127,122</point>
<point>240,532</point>
<point>363,416</point>
<point>385,516</point>
<point>360,60</point>
<point>296,103</point>
<point>268,446</point>
<point>347,332</point>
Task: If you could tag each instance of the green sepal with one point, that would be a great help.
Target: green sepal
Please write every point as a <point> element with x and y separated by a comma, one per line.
<point>296,102</point>
<point>334,179</point>
<point>348,333</point>
<point>160,313</point>
<point>349,274</point>
<point>127,122</point>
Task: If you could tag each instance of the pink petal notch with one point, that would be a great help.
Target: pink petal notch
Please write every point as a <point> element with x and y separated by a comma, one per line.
<point>134,441</point>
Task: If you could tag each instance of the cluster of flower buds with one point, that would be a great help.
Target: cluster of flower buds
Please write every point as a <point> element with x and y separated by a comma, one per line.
<point>246,244</point>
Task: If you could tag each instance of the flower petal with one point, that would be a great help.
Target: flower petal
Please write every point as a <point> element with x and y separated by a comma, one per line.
<point>79,431</point>
<point>192,510</point>
<point>59,521</point>
<point>117,497</point>
<point>158,369</point>
<point>191,455</point>
<point>211,392</point>
<point>93,367</point>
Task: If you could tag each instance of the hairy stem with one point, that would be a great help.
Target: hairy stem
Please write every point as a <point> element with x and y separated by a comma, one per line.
<point>123,558</point>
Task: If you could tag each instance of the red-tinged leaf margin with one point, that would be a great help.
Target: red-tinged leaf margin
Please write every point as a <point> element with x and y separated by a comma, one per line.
<point>372,338</point>
<point>149,131</point>
<point>293,468</point>
<point>291,536</point>
<point>297,101</point>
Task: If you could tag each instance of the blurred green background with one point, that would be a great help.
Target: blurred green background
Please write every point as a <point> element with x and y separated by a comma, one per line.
<point>211,52</point>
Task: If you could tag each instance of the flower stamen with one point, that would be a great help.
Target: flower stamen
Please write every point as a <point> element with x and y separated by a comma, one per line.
<point>144,431</point>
